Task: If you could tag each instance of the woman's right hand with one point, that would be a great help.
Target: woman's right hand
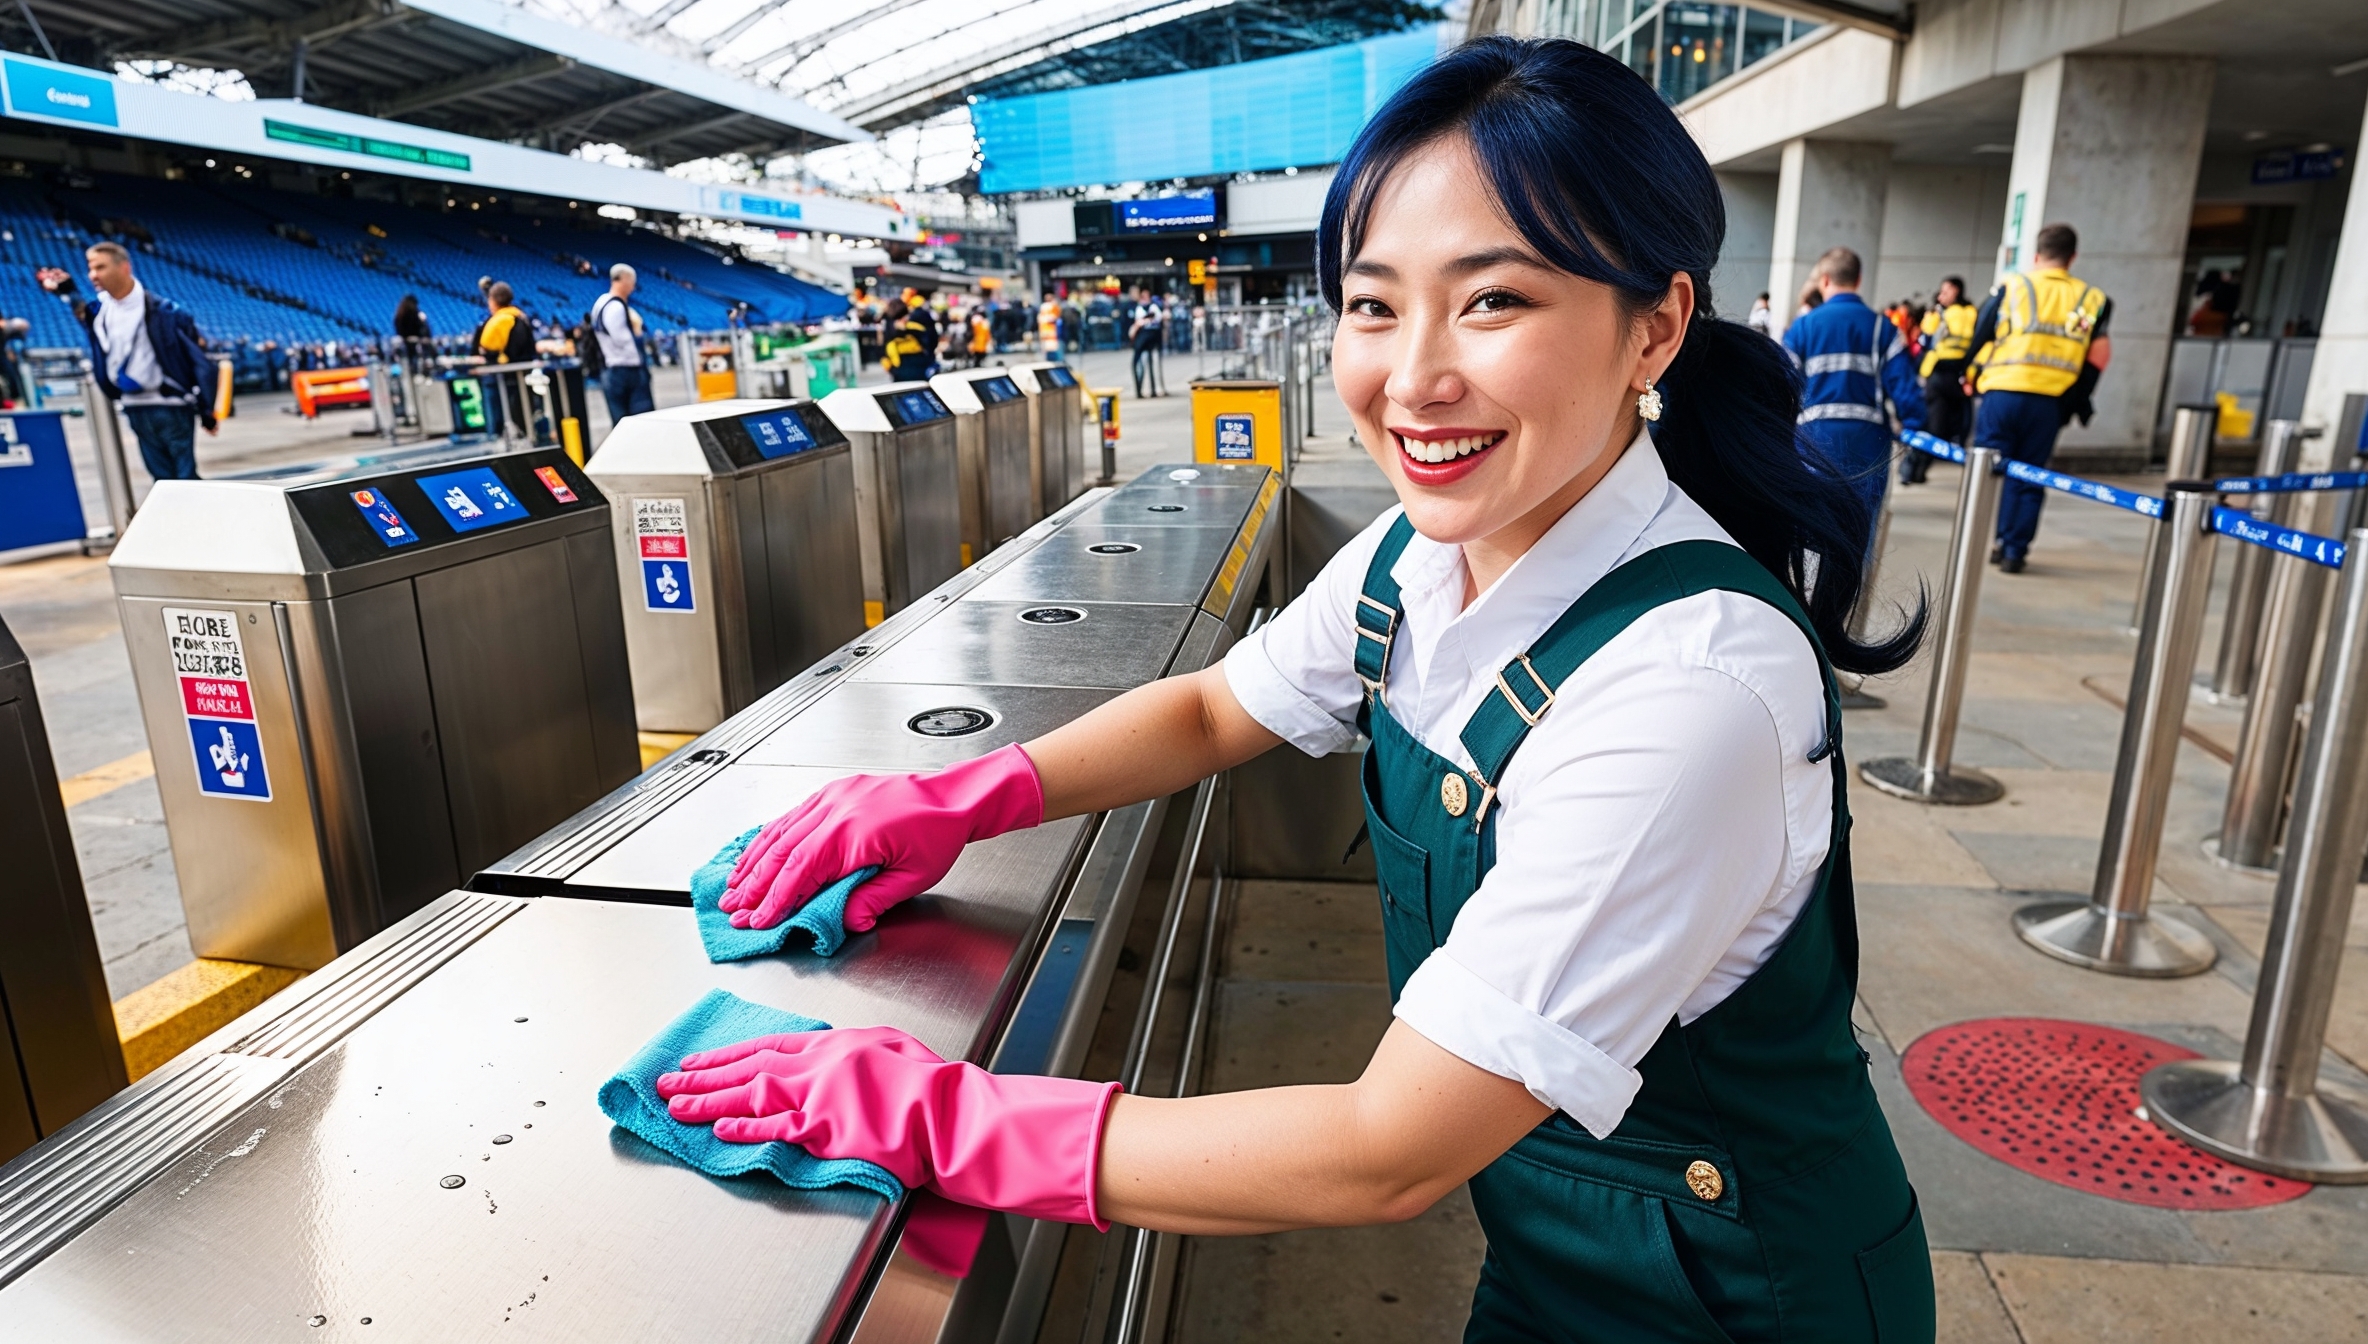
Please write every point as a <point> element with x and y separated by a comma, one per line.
<point>910,827</point>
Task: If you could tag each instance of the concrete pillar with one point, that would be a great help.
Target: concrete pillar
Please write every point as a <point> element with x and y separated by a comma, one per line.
<point>1829,193</point>
<point>2111,145</point>
<point>1940,220</point>
<point>2340,365</point>
<point>1742,269</point>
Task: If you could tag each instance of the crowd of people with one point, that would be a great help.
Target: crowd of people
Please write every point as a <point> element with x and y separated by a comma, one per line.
<point>920,333</point>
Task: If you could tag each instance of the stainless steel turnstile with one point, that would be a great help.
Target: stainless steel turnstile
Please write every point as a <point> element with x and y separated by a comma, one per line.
<point>737,551</point>
<point>999,491</point>
<point>58,1051</point>
<point>410,1135</point>
<point>364,680</point>
<point>908,490</point>
<point>1057,407</point>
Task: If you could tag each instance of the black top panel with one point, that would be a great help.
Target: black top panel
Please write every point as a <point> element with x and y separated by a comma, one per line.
<point>1058,377</point>
<point>916,407</point>
<point>994,391</point>
<point>753,440</point>
<point>365,518</point>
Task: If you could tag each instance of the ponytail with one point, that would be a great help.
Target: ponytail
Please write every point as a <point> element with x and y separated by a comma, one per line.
<point>1594,171</point>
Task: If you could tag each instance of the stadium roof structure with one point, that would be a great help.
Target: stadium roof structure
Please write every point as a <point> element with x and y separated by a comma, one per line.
<point>471,67</point>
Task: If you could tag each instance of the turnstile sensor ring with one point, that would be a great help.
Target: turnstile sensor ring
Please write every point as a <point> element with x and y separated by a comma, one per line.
<point>1114,548</point>
<point>951,721</point>
<point>1051,616</point>
<point>1164,508</point>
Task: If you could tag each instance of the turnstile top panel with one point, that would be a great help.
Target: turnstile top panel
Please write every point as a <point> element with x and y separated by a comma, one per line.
<point>713,438</point>
<point>392,516</point>
<point>1039,378</point>
<point>1087,563</point>
<point>884,410</point>
<point>969,391</point>
<point>1187,494</point>
<point>325,1201</point>
<point>1112,645</point>
<point>888,726</point>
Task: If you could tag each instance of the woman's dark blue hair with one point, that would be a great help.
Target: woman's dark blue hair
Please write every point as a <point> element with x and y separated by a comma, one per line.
<point>1594,171</point>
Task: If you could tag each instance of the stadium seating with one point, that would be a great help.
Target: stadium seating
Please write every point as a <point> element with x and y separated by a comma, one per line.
<point>259,265</point>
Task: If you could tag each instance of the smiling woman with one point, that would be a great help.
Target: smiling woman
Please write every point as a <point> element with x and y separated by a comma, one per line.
<point>1603,787</point>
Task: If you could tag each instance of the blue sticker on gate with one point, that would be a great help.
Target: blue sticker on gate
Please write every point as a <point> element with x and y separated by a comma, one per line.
<point>1234,439</point>
<point>229,759</point>
<point>666,585</point>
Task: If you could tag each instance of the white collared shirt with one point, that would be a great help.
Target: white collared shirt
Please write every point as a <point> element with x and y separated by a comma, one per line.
<point>123,335</point>
<point>1656,833</point>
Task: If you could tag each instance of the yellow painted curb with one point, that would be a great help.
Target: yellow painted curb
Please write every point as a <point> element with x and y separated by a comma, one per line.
<point>105,779</point>
<point>161,1020</point>
<point>656,747</point>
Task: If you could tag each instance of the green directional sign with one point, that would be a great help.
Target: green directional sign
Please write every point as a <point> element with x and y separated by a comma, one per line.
<point>313,137</point>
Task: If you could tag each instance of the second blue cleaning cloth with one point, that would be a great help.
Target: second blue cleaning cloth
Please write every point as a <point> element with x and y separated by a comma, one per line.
<point>631,1100</point>
<point>823,919</point>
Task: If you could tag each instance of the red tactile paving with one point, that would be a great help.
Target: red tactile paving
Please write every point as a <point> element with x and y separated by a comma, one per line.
<point>2059,1100</point>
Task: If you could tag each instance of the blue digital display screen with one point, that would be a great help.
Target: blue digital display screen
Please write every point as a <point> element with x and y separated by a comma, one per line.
<point>777,433</point>
<point>388,524</point>
<point>919,408</point>
<point>1186,210</point>
<point>1059,377</point>
<point>995,391</point>
<point>472,499</point>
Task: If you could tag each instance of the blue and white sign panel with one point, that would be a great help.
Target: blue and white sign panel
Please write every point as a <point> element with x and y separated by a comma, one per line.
<point>1236,442</point>
<point>217,703</point>
<point>662,535</point>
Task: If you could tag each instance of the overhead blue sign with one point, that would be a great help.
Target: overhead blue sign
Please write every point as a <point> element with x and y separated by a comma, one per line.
<point>1185,210</point>
<point>36,90</point>
<point>2297,166</point>
<point>768,206</point>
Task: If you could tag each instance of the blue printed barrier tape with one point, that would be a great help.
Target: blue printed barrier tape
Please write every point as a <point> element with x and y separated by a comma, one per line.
<point>1926,443</point>
<point>2074,485</point>
<point>2309,545</point>
<point>2290,482</point>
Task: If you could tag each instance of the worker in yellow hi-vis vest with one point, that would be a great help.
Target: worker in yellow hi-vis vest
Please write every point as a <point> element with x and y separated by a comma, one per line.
<point>2041,345</point>
<point>1948,347</point>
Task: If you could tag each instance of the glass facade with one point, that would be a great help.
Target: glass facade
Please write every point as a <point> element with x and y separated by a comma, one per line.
<point>1681,46</point>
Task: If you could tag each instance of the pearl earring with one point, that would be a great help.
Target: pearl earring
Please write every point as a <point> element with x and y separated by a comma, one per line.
<point>1648,403</point>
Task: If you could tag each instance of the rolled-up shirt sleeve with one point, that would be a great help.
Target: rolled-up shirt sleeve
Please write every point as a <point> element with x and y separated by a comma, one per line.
<point>1297,675</point>
<point>1652,828</point>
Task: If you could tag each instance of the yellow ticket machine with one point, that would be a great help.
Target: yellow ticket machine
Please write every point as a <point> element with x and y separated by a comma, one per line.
<point>1238,420</point>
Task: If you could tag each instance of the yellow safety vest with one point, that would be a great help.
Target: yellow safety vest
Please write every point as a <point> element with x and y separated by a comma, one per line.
<point>2045,320</point>
<point>1953,326</point>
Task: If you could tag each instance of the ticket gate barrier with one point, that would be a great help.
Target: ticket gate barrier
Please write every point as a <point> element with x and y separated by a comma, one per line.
<point>40,508</point>
<point>58,1052</point>
<point>1238,420</point>
<point>366,679</point>
<point>737,552</point>
<point>999,498</point>
<point>908,490</point>
<point>707,366</point>
<point>1058,409</point>
<point>422,1110</point>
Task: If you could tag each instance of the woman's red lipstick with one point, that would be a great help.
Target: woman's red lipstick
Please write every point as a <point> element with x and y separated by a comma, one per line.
<point>1459,452</point>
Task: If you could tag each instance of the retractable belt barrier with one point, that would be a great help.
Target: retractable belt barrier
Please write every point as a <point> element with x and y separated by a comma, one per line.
<point>2309,546</point>
<point>2289,482</point>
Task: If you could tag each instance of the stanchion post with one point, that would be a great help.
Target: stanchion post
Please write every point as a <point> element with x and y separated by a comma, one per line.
<point>2192,428</point>
<point>2231,678</point>
<point>106,441</point>
<point>2249,820</point>
<point>1930,777</point>
<point>2270,1111</point>
<point>1854,692</point>
<point>2112,931</point>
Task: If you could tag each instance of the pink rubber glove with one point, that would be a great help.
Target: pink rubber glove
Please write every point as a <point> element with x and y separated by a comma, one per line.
<point>1016,1142</point>
<point>912,827</point>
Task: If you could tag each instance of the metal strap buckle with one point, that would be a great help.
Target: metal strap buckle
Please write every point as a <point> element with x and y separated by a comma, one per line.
<point>1515,700</point>
<point>1383,637</point>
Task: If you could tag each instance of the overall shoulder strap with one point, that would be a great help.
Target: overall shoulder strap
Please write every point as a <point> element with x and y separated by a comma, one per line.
<point>1378,609</point>
<point>1526,686</point>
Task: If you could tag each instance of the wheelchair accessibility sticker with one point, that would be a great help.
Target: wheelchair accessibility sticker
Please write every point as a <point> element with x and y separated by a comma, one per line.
<point>661,533</point>
<point>217,702</point>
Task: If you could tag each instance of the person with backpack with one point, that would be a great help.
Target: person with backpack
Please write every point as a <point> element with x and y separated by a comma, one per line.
<point>616,343</point>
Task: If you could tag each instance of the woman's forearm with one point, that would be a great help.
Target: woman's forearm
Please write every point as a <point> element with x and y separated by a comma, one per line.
<point>1149,742</point>
<point>1382,1149</point>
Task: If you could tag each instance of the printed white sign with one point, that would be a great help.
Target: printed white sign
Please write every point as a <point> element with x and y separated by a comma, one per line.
<point>217,702</point>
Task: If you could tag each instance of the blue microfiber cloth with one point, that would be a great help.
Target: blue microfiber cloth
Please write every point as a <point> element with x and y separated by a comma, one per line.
<point>720,1019</point>
<point>824,918</point>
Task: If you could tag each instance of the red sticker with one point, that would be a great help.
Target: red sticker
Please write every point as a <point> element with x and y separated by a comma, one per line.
<point>553,482</point>
<point>216,699</point>
<point>665,547</point>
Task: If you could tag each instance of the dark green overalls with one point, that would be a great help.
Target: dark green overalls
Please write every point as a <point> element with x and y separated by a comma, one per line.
<point>1752,1191</point>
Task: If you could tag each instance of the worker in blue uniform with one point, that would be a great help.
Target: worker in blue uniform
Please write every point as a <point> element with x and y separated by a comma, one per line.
<point>1852,358</point>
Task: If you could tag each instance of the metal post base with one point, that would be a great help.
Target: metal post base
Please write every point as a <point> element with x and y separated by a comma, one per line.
<point>2154,947</point>
<point>1957,787</point>
<point>2211,849</point>
<point>2321,1137</point>
<point>2205,693</point>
